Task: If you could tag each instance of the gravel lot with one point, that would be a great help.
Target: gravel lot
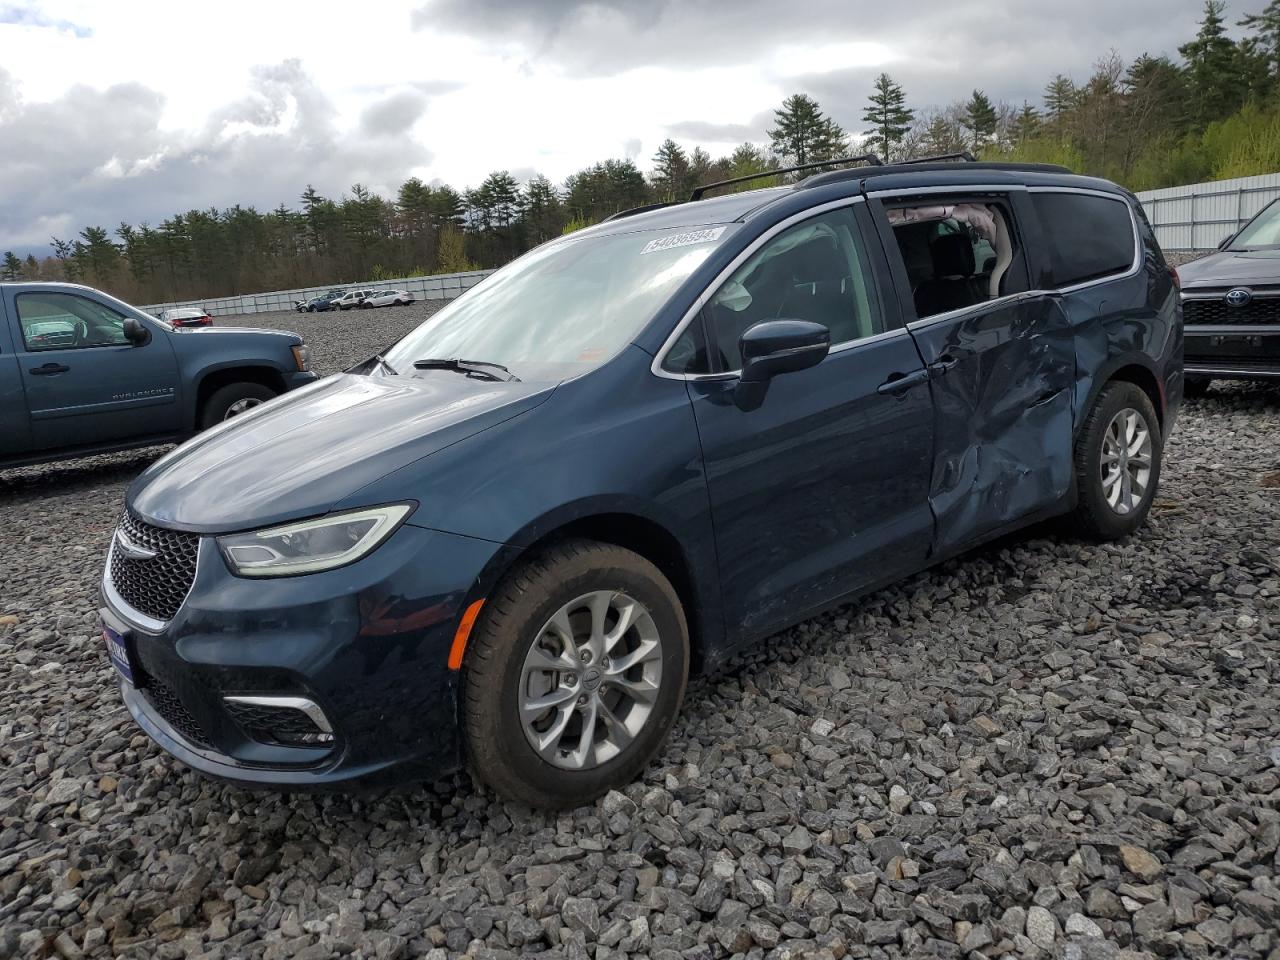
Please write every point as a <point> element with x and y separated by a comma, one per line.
<point>1044,748</point>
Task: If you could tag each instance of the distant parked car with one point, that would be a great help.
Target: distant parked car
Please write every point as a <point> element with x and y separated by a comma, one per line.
<point>83,373</point>
<point>324,302</point>
<point>387,298</point>
<point>1231,307</point>
<point>352,298</point>
<point>187,317</point>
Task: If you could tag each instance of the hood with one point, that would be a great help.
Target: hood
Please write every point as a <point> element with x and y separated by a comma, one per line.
<point>1229,266</point>
<point>298,455</point>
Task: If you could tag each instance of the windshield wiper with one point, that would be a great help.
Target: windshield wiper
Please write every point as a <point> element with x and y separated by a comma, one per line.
<point>472,368</point>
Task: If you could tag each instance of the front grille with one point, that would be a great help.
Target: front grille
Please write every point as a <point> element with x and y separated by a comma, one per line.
<point>1218,311</point>
<point>166,703</point>
<point>154,586</point>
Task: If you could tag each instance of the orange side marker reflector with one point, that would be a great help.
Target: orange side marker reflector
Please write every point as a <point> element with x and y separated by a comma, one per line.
<point>464,631</point>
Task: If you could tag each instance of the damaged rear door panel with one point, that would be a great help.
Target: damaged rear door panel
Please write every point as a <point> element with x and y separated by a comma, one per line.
<point>1002,375</point>
<point>1002,398</point>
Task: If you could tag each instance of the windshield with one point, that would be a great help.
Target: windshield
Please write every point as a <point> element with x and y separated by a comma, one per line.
<point>563,308</point>
<point>1263,232</point>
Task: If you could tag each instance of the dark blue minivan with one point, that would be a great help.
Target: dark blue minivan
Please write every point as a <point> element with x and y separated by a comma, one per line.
<point>507,541</point>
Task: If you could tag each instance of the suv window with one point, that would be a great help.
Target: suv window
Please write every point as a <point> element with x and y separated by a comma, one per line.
<point>1088,236</point>
<point>62,321</point>
<point>816,270</point>
<point>957,253</point>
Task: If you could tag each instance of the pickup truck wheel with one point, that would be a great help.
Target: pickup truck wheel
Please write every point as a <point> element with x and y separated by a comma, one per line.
<point>1117,463</point>
<point>574,674</point>
<point>232,400</point>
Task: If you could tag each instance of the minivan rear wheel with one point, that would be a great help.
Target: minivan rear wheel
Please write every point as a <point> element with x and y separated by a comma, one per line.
<point>574,674</point>
<point>1117,463</point>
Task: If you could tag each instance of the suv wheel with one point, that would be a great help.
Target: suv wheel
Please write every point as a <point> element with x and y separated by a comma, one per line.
<point>1117,463</point>
<point>574,674</point>
<point>233,400</point>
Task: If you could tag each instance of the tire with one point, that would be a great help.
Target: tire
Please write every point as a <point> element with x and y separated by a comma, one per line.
<point>1094,516</point>
<point>516,618</point>
<point>219,406</point>
<point>1194,388</point>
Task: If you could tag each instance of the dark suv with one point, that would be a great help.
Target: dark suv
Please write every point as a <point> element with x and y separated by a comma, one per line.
<point>1232,304</point>
<point>81,373</point>
<point>632,452</point>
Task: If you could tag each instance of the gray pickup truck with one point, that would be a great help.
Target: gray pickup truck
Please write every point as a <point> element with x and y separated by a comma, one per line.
<point>81,372</point>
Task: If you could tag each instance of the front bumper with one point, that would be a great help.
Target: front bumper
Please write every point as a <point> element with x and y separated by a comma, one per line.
<point>1242,352</point>
<point>367,645</point>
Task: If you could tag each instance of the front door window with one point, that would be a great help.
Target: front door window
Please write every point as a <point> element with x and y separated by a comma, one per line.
<point>63,321</point>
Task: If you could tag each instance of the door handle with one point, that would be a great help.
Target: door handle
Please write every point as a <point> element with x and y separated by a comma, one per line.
<point>943,364</point>
<point>900,383</point>
<point>49,368</point>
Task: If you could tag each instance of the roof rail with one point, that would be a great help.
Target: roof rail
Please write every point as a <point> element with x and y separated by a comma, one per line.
<point>868,158</point>
<point>962,156</point>
<point>643,208</point>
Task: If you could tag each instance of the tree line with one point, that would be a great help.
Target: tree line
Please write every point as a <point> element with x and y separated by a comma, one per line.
<point>1157,121</point>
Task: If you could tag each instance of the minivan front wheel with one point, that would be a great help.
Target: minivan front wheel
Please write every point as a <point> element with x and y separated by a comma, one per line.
<point>1117,463</point>
<point>574,674</point>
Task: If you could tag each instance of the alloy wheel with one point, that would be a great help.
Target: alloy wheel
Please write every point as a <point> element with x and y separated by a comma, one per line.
<point>240,406</point>
<point>590,680</point>
<point>1126,461</point>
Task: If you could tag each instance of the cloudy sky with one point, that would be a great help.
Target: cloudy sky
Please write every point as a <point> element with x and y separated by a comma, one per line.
<point>132,110</point>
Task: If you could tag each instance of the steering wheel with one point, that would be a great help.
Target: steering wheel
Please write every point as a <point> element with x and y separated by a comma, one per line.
<point>81,333</point>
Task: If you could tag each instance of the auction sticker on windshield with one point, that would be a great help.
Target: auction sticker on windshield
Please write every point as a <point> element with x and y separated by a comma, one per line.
<point>683,239</point>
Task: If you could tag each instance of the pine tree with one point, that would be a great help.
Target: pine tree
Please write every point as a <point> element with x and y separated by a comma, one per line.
<point>11,269</point>
<point>980,119</point>
<point>31,268</point>
<point>1026,124</point>
<point>1265,27</point>
<point>803,133</point>
<point>1213,68</point>
<point>671,171</point>
<point>543,212</point>
<point>889,116</point>
<point>1059,97</point>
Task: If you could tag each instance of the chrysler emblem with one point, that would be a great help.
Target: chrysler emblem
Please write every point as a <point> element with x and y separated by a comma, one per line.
<point>1239,297</point>
<point>132,551</point>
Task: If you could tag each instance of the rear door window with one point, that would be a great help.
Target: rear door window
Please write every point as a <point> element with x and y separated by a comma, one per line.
<point>1088,236</point>
<point>957,253</point>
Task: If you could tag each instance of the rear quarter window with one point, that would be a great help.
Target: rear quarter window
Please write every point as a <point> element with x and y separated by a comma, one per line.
<point>1088,237</point>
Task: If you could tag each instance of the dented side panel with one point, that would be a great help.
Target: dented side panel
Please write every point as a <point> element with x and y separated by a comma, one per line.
<point>1003,390</point>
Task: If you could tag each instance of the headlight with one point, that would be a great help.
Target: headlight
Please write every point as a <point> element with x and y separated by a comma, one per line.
<point>312,545</point>
<point>302,355</point>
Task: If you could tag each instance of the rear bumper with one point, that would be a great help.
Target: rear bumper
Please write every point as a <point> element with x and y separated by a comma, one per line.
<point>1245,352</point>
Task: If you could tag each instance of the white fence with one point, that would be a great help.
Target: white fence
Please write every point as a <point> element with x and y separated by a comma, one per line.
<point>1199,215</point>
<point>441,287</point>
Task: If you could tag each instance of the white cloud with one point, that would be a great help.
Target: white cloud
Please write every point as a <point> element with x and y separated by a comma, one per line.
<point>132,111</point>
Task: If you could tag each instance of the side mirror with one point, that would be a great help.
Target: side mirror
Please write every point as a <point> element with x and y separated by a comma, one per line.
<point>782,346</point>
<point>135,332</point>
